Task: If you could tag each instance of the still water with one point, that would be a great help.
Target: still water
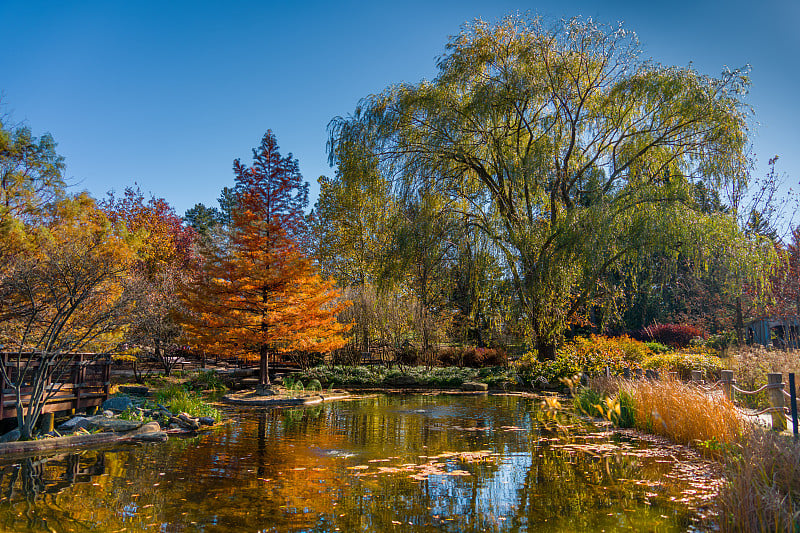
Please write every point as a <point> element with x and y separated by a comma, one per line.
<point>385,463</point>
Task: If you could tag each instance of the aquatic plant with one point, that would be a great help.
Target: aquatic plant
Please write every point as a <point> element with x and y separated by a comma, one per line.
<point>178,399</point>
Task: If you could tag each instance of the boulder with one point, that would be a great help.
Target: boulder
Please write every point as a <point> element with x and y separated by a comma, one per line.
<point>139,390</point>
<point>401,381</point>
<point>117,403</point>
<point>108,424</point>
<point>474,386</point>
<point>206,421</point>
<point>11,436</point>
<point>154,436</point>
<point>72,423</point>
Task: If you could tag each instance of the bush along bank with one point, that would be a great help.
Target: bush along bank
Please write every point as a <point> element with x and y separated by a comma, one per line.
<point>583,355</point>
<point>762,468</point>
<point>410,377</point>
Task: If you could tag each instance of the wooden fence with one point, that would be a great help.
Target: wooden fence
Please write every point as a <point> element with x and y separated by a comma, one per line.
<point>82,384</point>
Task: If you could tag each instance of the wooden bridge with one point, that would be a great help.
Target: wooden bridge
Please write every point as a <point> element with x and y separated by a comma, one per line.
<point>82,384</point>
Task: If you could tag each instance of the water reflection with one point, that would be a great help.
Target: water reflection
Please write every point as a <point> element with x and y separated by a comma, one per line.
<point>418,463</point>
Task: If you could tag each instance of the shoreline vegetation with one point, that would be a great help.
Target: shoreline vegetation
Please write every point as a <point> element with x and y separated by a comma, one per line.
<point>761,467</point>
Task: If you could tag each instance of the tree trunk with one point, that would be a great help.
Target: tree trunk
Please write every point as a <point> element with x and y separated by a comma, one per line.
<point>164,363</point>
<point>263,370</point>
<point>546,351</point>
<point>739,322</point>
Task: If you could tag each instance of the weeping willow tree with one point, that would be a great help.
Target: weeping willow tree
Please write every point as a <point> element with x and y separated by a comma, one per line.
<point>568,149</point>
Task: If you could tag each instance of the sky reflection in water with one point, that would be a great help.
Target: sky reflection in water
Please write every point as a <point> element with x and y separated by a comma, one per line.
<point>389,463</point>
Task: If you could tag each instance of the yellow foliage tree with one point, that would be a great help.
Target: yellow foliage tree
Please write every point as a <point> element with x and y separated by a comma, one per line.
<point>61,292</point>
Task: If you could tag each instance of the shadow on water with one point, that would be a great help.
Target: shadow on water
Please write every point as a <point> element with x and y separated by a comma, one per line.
<point>412,463</point>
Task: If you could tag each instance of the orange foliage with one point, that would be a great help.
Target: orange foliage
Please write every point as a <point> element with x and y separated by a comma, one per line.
<point>257,293</point>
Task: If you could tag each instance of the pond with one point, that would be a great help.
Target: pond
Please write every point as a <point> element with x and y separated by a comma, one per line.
<point>384,463</point>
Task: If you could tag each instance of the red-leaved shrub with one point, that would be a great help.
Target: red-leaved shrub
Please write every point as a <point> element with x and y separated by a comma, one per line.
<point>675,335</point>
<point>472,357</point>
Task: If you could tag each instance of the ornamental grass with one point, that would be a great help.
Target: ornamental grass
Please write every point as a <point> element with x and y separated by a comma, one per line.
<point>683,413</point>
<point>679,411</point>
<point>763,488</point>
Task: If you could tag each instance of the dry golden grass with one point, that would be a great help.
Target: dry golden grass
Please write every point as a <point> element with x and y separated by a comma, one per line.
<point>763,489</point>
<point>762,467</point>
<point>683,413</point>
<point>751,365</point>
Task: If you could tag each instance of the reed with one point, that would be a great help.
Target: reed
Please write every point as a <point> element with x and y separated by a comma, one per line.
<point>683,413</point>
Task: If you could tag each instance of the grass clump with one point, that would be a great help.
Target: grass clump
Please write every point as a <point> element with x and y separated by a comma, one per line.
<point>763,488</point>
<point>670,408</point>
<point>682,412</point>
<point>178,399</point>
<point>206,380</point>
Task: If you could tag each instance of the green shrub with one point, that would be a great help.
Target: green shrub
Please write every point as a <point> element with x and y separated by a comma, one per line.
<point>132,413</point>
<point>657,347</point>
<point>683,363</point>
<point>339,376</point>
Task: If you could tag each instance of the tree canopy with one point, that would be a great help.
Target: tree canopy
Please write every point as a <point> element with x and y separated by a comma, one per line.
<point>566,148</point>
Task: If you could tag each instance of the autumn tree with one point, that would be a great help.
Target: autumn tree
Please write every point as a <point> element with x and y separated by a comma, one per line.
<point>567,149</point>
<point>62,293</point>
<point>257,294</point>
<point>350,234</point>
<point>164,259</point>
<point>30,172</point>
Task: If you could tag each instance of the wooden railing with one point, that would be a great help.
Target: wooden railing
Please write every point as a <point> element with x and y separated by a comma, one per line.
<point>81,384</point>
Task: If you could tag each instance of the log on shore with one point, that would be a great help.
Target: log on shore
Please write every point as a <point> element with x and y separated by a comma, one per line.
<point>75,441</point>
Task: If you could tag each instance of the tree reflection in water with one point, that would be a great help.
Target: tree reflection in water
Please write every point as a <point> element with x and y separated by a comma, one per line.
<point>438,463</point>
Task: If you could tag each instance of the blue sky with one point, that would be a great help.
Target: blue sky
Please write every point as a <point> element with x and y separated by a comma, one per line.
<point>167,94</point>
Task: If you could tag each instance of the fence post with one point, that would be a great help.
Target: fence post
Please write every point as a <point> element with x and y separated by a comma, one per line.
<point>697,376</point>
<point>608,372</point>
<point>673,376</point>
<point>776,401</point>
<point>726,377</point>
<point>793,394</point>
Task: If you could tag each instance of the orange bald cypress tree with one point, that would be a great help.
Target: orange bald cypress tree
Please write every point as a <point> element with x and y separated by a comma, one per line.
<point>257,294</point>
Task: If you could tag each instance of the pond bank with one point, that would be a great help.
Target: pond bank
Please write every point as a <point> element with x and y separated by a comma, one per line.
<point>145,432</point>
